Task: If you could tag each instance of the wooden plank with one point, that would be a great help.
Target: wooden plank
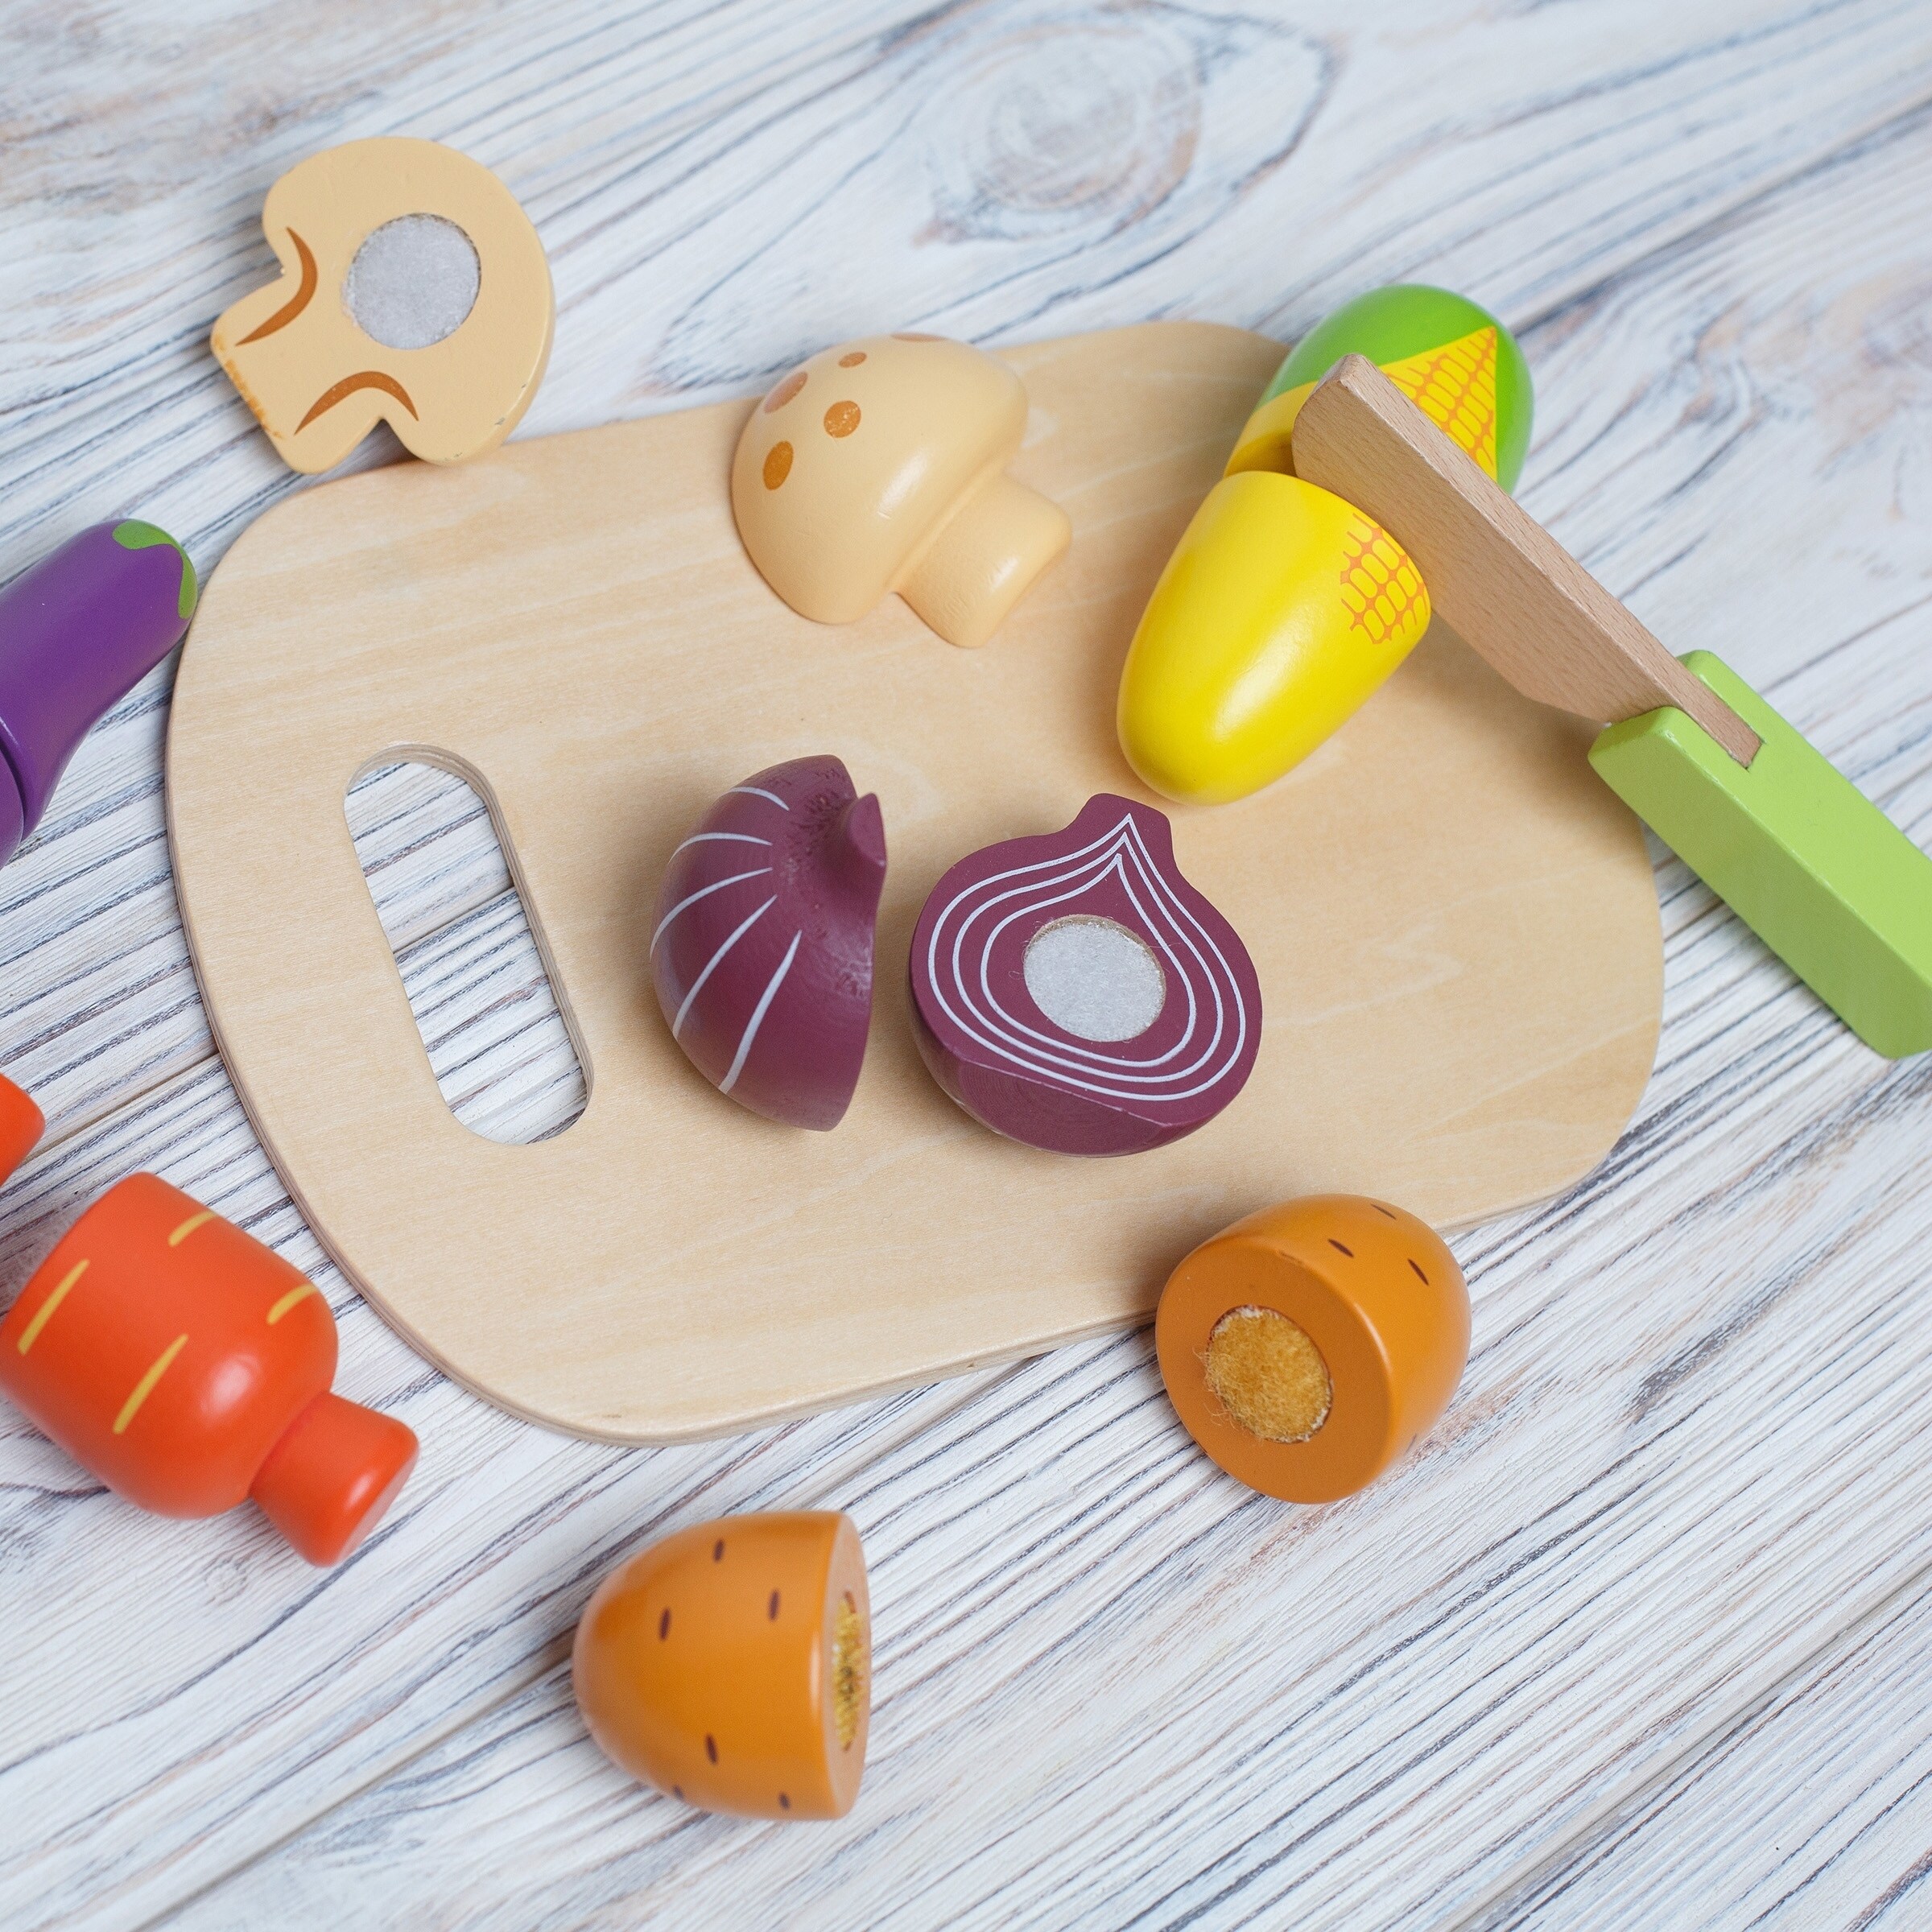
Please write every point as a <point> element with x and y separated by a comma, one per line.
<point>1758,1099</point>
<point>1494,573</point>
<point>1814,1808</point>
<point>667,155</point>
<point>478,991</point>
<point>100,1004</point>
<point>224,1617</point>
<point>678,132</point>
<point>1697,415</point>
<point>426,845</point>
<point>1203,1707</point>
<point>234,1752</point>
<point>489,1022</point>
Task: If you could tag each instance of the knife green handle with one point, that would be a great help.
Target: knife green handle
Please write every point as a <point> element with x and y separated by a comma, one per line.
<point>1829,883</point>
<point>1809,863</point>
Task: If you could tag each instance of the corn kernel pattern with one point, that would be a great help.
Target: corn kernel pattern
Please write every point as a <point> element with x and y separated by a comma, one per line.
<point>1455,387</point>
<point>1381,587</point>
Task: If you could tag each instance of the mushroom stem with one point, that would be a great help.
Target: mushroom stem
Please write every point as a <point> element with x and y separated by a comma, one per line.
<point>984,558</point>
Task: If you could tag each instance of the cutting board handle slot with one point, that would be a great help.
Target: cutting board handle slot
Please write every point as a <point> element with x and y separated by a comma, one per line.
<point>443,879</point>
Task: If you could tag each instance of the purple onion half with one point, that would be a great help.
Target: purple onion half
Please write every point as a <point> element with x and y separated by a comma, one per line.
<point>761,942</point>
<point>1074,992</point>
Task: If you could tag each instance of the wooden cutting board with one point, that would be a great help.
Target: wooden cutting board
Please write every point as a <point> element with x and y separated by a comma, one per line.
<point>1454,922</point>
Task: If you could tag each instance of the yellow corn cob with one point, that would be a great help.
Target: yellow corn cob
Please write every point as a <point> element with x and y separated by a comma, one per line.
<point>1455,387</point>
<point>1381,587</point>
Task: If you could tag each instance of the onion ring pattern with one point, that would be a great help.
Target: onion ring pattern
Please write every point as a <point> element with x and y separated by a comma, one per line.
<point>1116,863</point>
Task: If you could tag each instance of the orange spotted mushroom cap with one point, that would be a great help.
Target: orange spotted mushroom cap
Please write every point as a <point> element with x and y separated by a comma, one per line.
<point>730,1664</point>
<point>1311,1346</point>
<point>878,466</point>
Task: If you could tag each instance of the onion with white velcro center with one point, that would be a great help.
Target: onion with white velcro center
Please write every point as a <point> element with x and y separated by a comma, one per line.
<point>1075,992</point>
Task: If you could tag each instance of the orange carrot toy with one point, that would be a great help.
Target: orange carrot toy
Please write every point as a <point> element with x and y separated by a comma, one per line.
<point>1308,1346</point>
<point>21,1125</point>
<point>728,1665</point>
<point>188,1367</point>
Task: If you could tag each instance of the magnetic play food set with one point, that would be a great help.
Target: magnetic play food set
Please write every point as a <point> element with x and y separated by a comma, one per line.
<point>1072,991</point>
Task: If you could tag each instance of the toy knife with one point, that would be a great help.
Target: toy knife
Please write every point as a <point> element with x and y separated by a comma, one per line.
<point>1814,867</point>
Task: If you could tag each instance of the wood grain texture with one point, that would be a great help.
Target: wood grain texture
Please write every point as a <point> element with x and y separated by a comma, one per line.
<point>575,623</point>
<point>1813,1808</point>
<point>478,987</point>
<point>1517,596</point>
<point>1707,226</point>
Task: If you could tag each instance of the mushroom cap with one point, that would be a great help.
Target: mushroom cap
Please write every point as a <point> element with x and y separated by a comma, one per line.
<point>317,381</point>
<point>851,465</point>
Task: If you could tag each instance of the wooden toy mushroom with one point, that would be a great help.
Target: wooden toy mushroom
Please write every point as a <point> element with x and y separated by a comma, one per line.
<point>730,1664</point>
<point>1307,1347</point>
<point>880,466</point>
<point>414,291</point>
<point>188,1367</point>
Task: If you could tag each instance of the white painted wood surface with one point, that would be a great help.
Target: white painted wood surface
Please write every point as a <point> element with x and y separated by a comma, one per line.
<point>1815,1808</point>
<point>1640,1636</point>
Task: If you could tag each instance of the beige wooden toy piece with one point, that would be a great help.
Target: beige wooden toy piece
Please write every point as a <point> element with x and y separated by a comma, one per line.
<point>880,466</point>
<point>1497,574</point>
<point>414,291</point>
<point>1454,923</point>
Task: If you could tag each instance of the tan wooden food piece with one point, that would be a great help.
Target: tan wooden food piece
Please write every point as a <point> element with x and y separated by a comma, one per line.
<point>880,466</point>
<point>1494,573</point>
<point>1454,923</point>
<point>451,386</point>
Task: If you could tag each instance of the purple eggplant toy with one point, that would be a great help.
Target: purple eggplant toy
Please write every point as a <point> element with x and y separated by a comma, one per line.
<point>78,631</point>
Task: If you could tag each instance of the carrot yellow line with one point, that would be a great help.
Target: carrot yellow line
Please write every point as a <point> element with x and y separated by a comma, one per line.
<point>288,1301</point>
<point>44,1313</point>
<point>188,1226</point>
<point>145,1387</point>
